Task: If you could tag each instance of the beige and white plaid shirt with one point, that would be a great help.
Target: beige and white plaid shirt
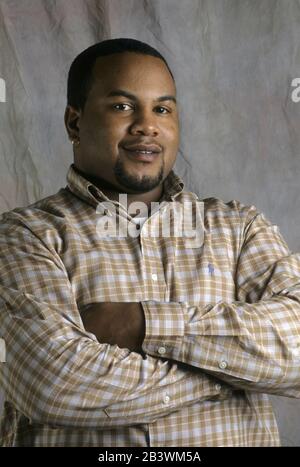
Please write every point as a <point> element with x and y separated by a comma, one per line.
<point>222,326</point>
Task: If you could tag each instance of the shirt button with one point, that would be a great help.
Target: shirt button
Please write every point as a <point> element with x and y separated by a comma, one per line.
<point>161,350</point>
<point>223,365</point>
<point>154,277</point>
<point>218,387</point>
<point>166,399</point>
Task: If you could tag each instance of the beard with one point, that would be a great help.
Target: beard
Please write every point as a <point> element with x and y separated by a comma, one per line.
<point>141,185</point>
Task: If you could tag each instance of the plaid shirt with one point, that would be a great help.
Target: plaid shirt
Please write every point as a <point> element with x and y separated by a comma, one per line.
<point>222,326</point>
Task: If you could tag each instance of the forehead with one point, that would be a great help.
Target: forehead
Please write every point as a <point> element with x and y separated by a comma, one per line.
<point>137,73</point>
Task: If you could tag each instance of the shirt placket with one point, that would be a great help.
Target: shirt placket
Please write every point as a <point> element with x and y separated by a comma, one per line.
<point>154,279</point>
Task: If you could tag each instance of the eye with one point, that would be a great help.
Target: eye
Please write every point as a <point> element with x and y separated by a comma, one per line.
<point>162,110</point>
<point>122,107</point>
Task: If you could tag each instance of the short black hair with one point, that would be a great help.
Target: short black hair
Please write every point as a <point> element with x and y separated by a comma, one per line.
<point>80,73</point>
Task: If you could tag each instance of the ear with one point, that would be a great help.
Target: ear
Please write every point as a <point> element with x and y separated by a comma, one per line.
<point>72,116</point>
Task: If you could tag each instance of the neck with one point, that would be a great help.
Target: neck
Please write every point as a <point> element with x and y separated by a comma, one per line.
<point>113,192</point>
<point>146,198</point>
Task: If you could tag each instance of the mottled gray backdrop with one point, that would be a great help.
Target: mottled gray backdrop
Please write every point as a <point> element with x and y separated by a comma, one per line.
<point>234,62</point>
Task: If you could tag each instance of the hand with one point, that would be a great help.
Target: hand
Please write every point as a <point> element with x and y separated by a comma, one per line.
<point>120,323</point>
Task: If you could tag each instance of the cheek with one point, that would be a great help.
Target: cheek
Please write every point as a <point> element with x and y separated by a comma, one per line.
<point>104,130</point>
<point>113,129</point>
<point>172,134</point>
<point>172,129</point>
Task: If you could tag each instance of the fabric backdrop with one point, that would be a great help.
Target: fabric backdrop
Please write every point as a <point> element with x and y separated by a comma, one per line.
<point>234,62</point>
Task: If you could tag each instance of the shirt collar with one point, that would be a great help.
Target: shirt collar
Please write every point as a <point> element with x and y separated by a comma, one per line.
<point>173,186</point>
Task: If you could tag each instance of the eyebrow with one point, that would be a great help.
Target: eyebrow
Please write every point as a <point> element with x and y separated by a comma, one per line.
<point>121,92</point>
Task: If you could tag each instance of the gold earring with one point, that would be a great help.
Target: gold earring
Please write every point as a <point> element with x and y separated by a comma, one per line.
<point>75,142</point>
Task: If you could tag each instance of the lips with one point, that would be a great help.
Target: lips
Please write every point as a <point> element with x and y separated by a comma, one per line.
<point>143,147</point>
<point>142,152</point>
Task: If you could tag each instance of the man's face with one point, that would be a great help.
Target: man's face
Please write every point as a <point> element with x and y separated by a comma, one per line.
<point>128,129</point>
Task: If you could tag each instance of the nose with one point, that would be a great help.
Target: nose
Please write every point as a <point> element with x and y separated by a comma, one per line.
<point>144,123</point>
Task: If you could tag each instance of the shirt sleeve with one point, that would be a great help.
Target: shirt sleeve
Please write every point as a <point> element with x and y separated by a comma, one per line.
<point>252,343</point>
<point>58,374</point>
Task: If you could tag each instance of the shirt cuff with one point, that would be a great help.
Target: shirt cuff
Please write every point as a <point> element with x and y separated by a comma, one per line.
<point>165,328</point>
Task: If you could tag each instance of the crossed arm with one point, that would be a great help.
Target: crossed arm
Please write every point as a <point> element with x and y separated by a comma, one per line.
<point>61,373</point>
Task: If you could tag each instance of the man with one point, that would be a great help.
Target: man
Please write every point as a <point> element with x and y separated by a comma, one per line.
<point>141,340</point>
